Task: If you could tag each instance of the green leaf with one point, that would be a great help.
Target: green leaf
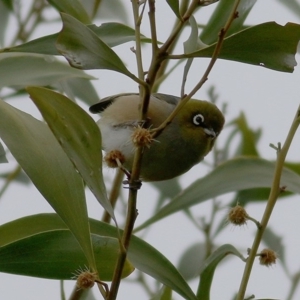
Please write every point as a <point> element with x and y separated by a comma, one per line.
<point>174,5</point>
<point>292,5</point>
<point>78,135</point>
<point>275,242</point>
<point>57,255</point>
<point>166,190</point>
<point>142,255</point>
<point>73,8</point>
<point>248,144</point>
<point>106,10</point>
<point>110,33</point>
<point>20,69</point>
<point>192,44</point>
<point>257,194</point>
<point>43,45</point>
<point>165,293</point>
<point>4,17</point>
<point>267,299</point>
<point>39,154</point>
<point>220,16</point>
<point>191,261</point>
<point>9,4</point>
<point>18,175</point>
<point>268,45</point>
<point>293,166</point>
<point>78,88</point>
<point>3,158</point>
<point>208,270</point>
<point>114,34</point>
<point>232,176</point>
<point>148,260</point>
<point>84,50</point>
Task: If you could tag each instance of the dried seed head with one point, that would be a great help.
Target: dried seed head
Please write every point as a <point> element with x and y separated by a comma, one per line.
<point>114,158</point>
<point>238,216</point>
<point>142,137</point>
<point>86,280</point>
<point>267,257</point>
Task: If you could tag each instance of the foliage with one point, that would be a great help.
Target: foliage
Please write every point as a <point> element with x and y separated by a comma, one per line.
<point>63,158</point>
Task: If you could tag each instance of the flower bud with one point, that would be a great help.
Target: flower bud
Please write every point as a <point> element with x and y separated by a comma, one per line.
<point>142,137</point>
<point>86,280</point>
<point>238,215</point>
<point>113,157</point>
<point>267,257</point>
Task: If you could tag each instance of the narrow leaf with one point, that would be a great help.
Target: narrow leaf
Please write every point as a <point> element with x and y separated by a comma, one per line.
<point>165,293</point>
<point>193,43</point>
<point>9,4</point>
<point>3,158</point>
<point>174,5</point>
<point>18,174</point>
<point>57,255</point>
<point>191,261</point>
<point>268,45</point>
<point>73,8</point>
<point>117,11</point>
<point>84,50</point>
<point>114,34</point>
<point>39,154</point>
<point>5,11</point>
<point>275,242</point>
<point>78,135</point>
<point>78,88</point>
<point>42,45</point>
<point>190,45</point>
<point>111,33</point>
<point>248,145</point>
<point>22,69</point>
<point>208,270</point>
<point>232,176</point>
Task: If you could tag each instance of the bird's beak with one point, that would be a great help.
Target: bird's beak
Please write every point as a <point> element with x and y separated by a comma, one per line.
<point>210,132</point>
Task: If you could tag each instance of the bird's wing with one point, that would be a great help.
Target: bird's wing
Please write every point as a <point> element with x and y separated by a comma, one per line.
<point>173,100</point>
<point>105,102</point>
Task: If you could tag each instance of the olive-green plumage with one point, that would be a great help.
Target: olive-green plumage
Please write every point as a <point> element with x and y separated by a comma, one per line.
<point>184,143</point>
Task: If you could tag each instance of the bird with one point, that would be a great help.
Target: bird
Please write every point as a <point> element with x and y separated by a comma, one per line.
<point>181,145</point>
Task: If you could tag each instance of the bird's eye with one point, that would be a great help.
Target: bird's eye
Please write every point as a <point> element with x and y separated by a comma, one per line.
<point>198,120</point>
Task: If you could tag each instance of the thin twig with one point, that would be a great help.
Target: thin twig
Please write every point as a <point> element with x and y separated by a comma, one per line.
<point>275,191</point>
<point>132,196</point>
<point>114,194</point>
<point>34,13</point>
<point>124,243</point>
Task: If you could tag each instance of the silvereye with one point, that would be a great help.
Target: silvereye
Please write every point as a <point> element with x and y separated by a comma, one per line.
<point>184,143</point>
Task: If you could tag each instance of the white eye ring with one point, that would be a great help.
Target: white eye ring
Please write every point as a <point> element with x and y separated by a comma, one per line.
<point>198,120</point>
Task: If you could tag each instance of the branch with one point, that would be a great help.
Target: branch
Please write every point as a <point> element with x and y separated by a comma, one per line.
<point>275,191</point>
